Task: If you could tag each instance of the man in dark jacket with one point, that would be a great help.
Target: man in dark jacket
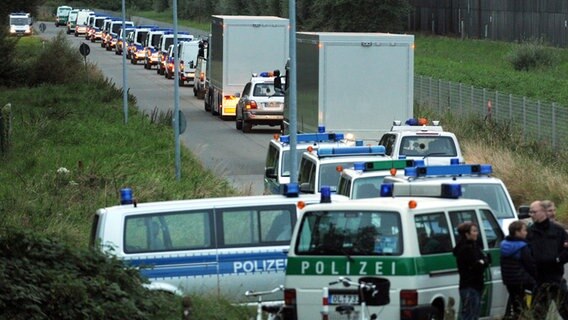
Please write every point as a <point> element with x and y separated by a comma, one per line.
<point>549,246</point>
<point>518,268</point>
<point>472,263</point>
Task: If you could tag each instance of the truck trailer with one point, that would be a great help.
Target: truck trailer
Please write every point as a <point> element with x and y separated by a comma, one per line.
<point>355,83</point>
<point>240,46</point>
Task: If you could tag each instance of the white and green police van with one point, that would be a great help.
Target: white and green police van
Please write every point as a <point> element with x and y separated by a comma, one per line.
<point>406,242</point>
<point>224,246</point>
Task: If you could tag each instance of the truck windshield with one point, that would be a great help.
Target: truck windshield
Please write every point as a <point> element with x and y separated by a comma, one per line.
<point>19,21</point>
<point>63,12</point>
<point>349,233</point>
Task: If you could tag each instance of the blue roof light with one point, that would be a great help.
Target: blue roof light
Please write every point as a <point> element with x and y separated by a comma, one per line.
<point>449,170</point>
<point>358,143</point>
<point>126,196</point>
<point>291,190</point>
<point>359,166</point>
<point>325,194</point>
<point>386,189</point>
<point>454,161</point>
<point>451,190</point>
<point>321,129</point>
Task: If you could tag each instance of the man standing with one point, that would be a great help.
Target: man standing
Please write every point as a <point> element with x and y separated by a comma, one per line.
<point>548,243</point>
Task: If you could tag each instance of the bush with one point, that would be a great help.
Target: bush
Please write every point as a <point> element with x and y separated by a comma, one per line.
<point>44,278</point>
<point>530,55</point>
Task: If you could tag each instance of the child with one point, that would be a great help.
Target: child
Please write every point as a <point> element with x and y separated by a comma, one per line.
<point>518,268</point>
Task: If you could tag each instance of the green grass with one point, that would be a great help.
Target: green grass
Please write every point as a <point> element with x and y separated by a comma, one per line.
<point>485,64</point>
<point>166,16</point>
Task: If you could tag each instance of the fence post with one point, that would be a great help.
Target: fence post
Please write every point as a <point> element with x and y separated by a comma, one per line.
<point>5,128</point>
<point>554,142</point>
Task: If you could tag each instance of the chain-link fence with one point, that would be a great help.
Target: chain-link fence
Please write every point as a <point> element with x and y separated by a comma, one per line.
<point>545,122</point>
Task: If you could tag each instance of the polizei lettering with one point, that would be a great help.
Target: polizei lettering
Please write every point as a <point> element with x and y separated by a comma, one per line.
<point>251,266</point>
<point>361,268</point>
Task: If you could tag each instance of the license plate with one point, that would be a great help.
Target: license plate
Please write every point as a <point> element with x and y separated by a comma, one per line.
<point>343,299</point>
<point>273,104</point>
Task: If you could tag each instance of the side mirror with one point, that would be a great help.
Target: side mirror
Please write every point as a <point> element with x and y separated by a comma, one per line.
<point>524,212</point>
<point>305,188</point>
<point>270,173</point>
<point>191,65</point>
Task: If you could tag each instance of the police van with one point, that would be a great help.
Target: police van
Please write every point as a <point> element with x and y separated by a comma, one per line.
<point>476,183</point>
<point>151,45</point>
<point>221,245</point>
<point>277,166</point>
<point>404,243</point>
<point>364,178</point>
<point>322,167</point>
<point>419,139</point>
<point>20,24</point>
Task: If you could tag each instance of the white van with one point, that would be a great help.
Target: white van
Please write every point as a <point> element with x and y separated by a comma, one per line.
<point>188,51</point>
<point>62,15</point>
<point>216,245</point>
<point>20,24</point>
<point>81,23</point>
<point>403,243</point>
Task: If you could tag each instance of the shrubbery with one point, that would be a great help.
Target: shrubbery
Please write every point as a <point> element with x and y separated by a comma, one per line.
<point>46,279</point>
<point>530,55</point>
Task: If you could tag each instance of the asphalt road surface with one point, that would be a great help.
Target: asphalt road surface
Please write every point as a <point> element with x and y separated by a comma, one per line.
<point>231,154</point>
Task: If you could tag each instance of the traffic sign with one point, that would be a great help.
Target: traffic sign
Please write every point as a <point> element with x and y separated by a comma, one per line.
<point>42,27</point>
<point>84,49</point>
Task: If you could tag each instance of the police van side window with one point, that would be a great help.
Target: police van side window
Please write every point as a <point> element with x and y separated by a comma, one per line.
<point>256,226</point>
<point>493,232</point>
<point>344,187</point>
<point>388,141</point>
<point>168,232</point>
<point>307,175</point>
<point>433,233</point>
<point>272,158</point>
<point>458,217</point>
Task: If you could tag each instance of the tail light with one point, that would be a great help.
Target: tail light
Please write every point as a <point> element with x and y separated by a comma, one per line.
<point>251,105</point>
<point>201,76</point>
<point>290,297</point>
<point>408,298</point>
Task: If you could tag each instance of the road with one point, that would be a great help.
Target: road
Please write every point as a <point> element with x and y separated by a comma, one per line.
<point>231,154</point>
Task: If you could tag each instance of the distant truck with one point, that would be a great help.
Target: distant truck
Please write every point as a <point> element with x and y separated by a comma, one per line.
<point>355,83</point>
<point>62,15</point>
<point>20,24</point>
<point>240,46</point>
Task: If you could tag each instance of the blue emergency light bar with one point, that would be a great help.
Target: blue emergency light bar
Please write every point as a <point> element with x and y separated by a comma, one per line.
<point>126,196</point>
<point>356,150</point>
<point>314,137</point>
<point>450,170</point>
<point>325,194</point>
<point>291,190</point>
<point>445,190</point>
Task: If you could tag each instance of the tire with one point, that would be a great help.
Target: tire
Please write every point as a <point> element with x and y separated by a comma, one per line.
<point>132,61</point>
<point>76,35</point>
<point>181,82</point>
<point>107,48</point>
<point>247,127</point>
<point>239,124</point>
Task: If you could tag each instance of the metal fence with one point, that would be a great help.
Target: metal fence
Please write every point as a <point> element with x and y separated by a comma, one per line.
<point>543,122</point>
<point>504,20</point>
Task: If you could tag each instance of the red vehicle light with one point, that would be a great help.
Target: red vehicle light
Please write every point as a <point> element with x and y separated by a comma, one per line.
<point>408,298</point>
<point>201,76</point>
<point>290,297</point>
<point>251,105</point>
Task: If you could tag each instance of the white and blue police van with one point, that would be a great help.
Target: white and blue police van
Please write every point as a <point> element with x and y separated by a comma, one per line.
<point>224,246</point>
<point>278,157</point>
<point>322,167</point>
<point>476,183</point>
<point>402,245</point>
<point>364,178</point>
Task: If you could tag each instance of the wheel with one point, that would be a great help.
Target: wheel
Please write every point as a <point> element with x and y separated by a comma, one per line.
<point>76,34</point>
<point>180,82</point>
<point>247,127</point>
<point>146,65</point>
<point>239,124</point>
<point>108,48</point>
<point>133,61</point>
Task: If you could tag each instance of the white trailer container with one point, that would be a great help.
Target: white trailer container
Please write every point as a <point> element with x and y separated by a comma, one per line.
<point>355,83</point>
<point>240,46</point>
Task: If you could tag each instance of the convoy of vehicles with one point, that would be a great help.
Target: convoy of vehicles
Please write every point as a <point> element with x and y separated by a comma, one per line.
<point>343,76</point>
<point>81,22</point>
<point>260,103</point>
<point>189,245</point>
<point>232,59</point>
<point>20,24</point>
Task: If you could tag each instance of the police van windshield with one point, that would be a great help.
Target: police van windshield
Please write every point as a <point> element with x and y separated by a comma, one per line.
<point>286,164</point>
<point>350,233</point>
<point>428,146</point>
<point>19,21</point>
<point>329,176</point>
<point>493,194</point>
<point>155,40</point>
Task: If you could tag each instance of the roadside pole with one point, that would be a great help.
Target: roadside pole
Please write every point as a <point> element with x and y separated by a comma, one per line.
<point>176,115</point>
<point>292,87</point>
<point>124,78</point>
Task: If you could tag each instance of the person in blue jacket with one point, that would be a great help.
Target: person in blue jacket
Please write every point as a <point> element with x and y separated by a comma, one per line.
<point>518,269</point>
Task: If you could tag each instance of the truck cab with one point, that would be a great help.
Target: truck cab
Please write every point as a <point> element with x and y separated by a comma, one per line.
<point>403,244</point>
<point>322,167</point>
<point>278,156</point>
<point>20,24</point>
<point>418,140</point>
<point>476,183</point>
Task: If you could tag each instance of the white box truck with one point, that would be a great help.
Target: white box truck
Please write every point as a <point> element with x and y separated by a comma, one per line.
<point>355,83</point>
<point>240,46</point>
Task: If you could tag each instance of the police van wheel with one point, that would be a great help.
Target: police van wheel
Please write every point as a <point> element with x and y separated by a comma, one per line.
<point>180,82</point>
<point>239,124</point>
<point>132,61</point>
